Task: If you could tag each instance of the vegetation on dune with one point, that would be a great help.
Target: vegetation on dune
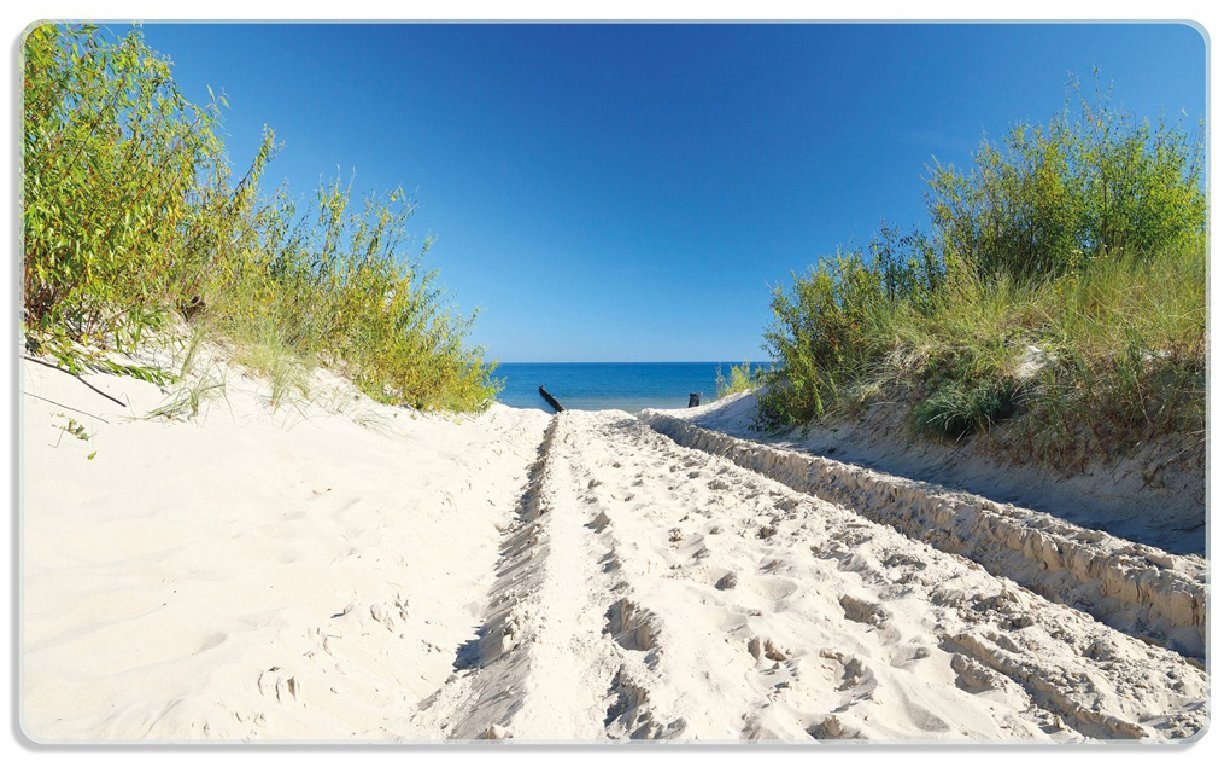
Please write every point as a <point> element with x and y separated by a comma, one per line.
<point>1060,295</point>
<point>742,378</point>
<point>132,215</point>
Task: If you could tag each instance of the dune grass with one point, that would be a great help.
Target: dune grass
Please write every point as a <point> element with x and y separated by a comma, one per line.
<point>133,219</point>
<point>742,378</point>
<point>1059,294</point>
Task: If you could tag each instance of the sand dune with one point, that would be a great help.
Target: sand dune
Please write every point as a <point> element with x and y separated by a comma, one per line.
<point>341,572</point>
<point>301,575</point>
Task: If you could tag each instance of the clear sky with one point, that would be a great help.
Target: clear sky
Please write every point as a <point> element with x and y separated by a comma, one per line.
<point>632,192</point>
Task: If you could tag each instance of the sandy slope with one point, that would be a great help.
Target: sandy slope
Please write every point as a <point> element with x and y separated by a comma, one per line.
<point>341,573</point>
<point>307,574</point>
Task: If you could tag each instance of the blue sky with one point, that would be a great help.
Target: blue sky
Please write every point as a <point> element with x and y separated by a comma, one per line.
<point>632,192</point>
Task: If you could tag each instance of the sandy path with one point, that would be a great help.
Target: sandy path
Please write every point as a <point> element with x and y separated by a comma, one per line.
<point>652,591</point>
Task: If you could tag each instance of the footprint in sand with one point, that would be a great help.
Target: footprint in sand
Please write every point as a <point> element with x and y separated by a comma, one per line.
<point>599,522</point>
<point>626,711</point>
<point>832,727</point>
<point>776,590</point>
<point>907,656</point>
<point>847,672</point>
<point>610,562</point>
<point>773,566</point>
<point>860,611</point>
<point>727,582</point>
<point>632,627</point>
<point>278,684</point>
<point>766,648</point>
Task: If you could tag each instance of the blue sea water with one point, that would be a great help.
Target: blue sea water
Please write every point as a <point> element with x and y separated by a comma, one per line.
<point>626,386</point>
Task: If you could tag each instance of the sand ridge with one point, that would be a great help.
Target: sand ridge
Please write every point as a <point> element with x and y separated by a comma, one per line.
<point>1140,589</point>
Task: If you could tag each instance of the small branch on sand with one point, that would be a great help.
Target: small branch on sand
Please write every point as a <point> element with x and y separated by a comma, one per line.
<point>62,369</point>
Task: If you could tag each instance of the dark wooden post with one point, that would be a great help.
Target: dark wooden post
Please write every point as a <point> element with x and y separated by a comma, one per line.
<point>551,401</point>
<point>694,400</point>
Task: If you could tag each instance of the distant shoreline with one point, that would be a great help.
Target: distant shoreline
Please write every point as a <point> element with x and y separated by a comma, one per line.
<point>614,385</point>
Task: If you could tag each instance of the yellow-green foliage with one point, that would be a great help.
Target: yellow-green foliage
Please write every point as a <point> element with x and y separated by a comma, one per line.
<point>1051,197</point>
<point>113,162</point>
<point>742,378</point>
<point>835,324</point>
<point>131,212</point>
<point>1063,290</point>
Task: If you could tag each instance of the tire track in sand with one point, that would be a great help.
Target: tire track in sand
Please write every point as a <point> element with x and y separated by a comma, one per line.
<point>564,652</point>
<point>1141,590</point>
<point>784,616</point>
<point>652,591</point>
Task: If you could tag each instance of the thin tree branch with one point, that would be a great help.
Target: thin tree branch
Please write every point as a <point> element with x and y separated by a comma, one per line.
<point>62,369</point>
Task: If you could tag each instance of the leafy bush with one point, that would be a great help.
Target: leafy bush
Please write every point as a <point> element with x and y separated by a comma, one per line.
<point>836,323</point>
<point>1063,288</point>
<point>113,161</point>
<point>1056,196</point>
<point>131,214</point>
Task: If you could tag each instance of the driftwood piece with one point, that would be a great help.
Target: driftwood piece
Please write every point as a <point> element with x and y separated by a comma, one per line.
<point>551,401</point>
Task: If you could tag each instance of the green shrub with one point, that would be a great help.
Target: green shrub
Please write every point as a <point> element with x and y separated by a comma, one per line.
<point>742,378</point>
<point>1055,196</point>
<point>113,160</point>
<point>1063,290</point>
<point>131,214</point>
<point>956,409</point>
<point>835,324</point>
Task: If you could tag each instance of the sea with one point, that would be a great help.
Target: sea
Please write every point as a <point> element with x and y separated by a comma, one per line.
<point>625,386</point>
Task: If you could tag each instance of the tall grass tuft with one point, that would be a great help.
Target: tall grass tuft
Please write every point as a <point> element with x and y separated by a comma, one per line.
<point>742,378</point>
<point>1061,292</point>
<point>132,216</point>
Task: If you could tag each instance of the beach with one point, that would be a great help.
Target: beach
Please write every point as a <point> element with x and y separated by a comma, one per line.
<point>604,383</point>
<point>341,570</point>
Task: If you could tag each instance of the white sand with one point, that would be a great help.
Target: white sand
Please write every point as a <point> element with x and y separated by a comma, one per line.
<point>306,576</point>
<point>1168,510</point>
<point>658,592</point>
<point>190,580</point>
<point>1140,589</point>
